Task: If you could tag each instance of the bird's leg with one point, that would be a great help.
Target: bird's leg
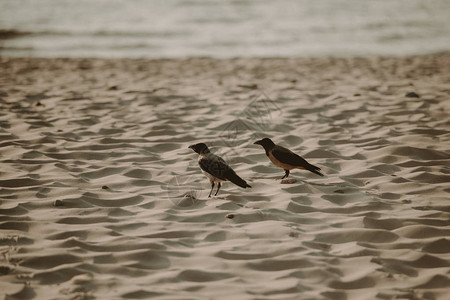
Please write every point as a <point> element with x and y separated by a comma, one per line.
<point>212,186</point>
<point>218,188</point>
<point>286,175</point>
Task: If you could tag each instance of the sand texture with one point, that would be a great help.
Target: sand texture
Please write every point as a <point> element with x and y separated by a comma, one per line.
<point>100,197</point>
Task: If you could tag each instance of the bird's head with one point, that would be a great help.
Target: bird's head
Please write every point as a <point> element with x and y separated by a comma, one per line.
<point>200,148</point>
<point>266,143</point>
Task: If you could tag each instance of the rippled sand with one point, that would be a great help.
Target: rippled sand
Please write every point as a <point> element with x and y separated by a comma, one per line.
<point>100,198</point>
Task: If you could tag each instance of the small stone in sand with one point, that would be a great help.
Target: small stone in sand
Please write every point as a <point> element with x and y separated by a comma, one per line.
<point>230,216</point>
<point>293,234</point>
<point>105,187</point>
<point>253,86</point>
<point>288,181</point>
<point>5,270</point>
<point>339,191</point>
<point>189,196</point>
<point>412,95</point>
<point>58,202</point>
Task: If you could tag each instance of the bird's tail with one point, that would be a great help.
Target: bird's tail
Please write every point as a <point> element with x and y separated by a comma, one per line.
<point>234,178</point>
<point>314,169</point>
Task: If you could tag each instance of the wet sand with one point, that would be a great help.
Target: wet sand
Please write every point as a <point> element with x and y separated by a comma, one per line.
<point>100,198</point>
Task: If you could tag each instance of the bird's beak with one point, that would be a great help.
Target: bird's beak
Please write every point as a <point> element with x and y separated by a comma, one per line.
<point>257,143</point>
<point>191,146</point>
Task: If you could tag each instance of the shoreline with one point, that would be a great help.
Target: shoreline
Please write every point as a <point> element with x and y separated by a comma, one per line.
<point>256,69</point>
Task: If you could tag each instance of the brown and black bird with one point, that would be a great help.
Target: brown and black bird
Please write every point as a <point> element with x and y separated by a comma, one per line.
<point>216,169</point>
<point>285,158</point>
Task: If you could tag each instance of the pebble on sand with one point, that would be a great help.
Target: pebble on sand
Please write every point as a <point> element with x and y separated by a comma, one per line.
<point>58,202</point>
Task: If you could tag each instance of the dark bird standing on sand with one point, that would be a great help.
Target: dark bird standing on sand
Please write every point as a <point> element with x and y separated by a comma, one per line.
<point>285,158</point>
<point>216,169</point>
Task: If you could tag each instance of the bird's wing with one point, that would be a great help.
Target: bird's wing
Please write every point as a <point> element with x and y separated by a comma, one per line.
<point>288,157</point>
<point>214,165</point>
<point>218,168</point>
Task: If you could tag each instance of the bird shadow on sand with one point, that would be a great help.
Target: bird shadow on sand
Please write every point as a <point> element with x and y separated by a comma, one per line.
<point>282,180</point>
<point>278,178</point>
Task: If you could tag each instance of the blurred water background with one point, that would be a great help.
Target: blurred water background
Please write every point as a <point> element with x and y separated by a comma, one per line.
<point>222,28</point>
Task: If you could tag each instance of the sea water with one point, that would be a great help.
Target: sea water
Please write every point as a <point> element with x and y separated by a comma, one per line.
<point>222,28</point>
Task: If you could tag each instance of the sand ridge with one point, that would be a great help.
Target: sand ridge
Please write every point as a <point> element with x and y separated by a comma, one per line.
<point>100,198</point>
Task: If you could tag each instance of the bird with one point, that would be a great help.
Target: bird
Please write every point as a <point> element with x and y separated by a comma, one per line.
<point>285,158</point>
<point>216,169</point>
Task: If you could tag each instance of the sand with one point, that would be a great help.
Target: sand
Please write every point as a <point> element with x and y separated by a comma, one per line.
<point>100,197</point>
